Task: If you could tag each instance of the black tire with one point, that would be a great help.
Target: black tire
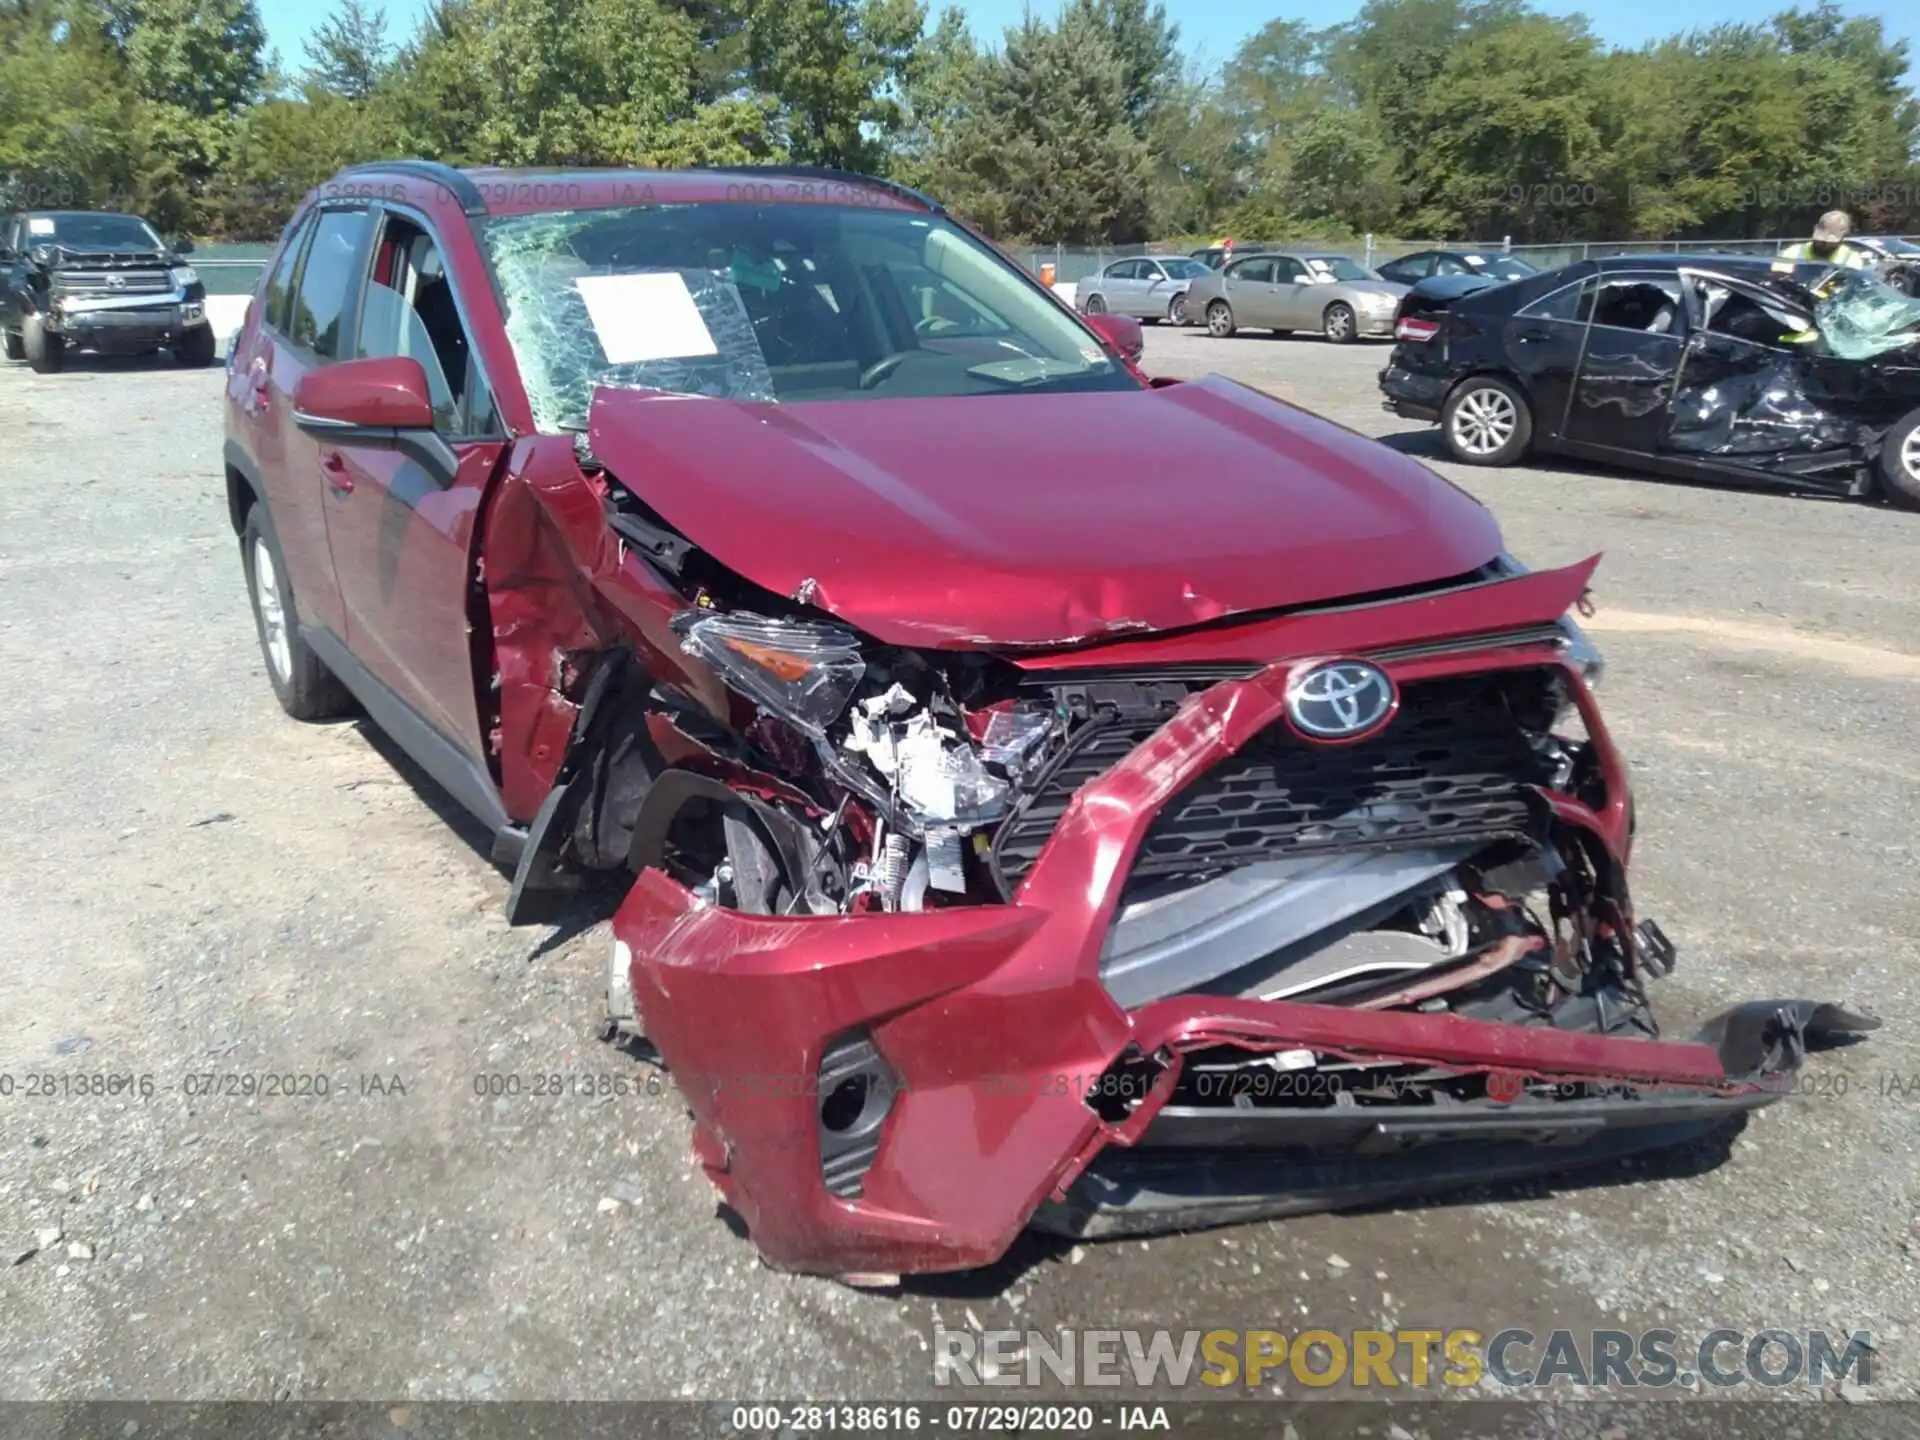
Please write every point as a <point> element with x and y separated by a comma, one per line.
<point>10,342</point>
<point>196,347</point>
<point>1900,463</point>
<point>303,685</point>
<point>1177,309</point>
<point>1339,324</point>
<point>45,352</point>
<point>1096,305</point>
<point>1220,322</point>
<point>1486,421</point>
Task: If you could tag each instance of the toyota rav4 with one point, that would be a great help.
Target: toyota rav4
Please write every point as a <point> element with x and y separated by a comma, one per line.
<point>1053,797</point>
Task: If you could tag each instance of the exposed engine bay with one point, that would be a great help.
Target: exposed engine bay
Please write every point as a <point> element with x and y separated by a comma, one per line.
<point>1293,911</point>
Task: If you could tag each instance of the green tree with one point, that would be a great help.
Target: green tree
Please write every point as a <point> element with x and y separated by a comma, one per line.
<point>836,68</point>
<point>349,52</point>
<point>1045,146</point>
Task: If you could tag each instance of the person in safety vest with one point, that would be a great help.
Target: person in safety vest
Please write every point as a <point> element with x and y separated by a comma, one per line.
<point>1829,244</point>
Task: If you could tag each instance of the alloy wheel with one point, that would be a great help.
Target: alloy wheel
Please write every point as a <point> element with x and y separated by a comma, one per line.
<point>1910,454</point>
<point>1177,310</point>
<point>1339,323</point>
<point>273,614</point>
<point>1219,320</point>
<point>1096,305</point>
<point>1484,421</point>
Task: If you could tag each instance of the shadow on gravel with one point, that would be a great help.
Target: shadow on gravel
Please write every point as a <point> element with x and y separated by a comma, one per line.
<point>1679,1162</point>
<point>452,813</point>
<point>84,363</point>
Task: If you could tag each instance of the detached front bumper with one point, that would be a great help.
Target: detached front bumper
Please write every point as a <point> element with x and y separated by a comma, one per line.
<point>906,1092</point>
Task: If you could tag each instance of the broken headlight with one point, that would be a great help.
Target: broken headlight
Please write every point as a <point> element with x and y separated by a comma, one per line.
<point>803,673</point>
<point>1581,652</point>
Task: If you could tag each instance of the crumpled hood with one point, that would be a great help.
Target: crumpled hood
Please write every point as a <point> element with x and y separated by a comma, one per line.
<point>1032,520</point>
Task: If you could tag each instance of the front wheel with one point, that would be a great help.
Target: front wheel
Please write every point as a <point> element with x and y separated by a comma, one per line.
<point>1900,463</point>
<point>1339,324</point>
<point>301,682</point>
<point>1177,310</point>
<point>45,351</point>
<point>1486,422</point>
<point>195,347</point>
<point>1219,319</point>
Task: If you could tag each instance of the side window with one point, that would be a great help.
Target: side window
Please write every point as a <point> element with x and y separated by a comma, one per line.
<point>1288,271</point>
<point>1118,270</point>
<point>409,310</point>
<point>280,286</point>
<point>1569,302</point>
<point>326,282</point>
<point>1722,310</point>
<point>1638,303</point>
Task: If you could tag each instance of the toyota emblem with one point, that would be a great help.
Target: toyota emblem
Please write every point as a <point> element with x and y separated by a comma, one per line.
<point>116,282</point>
<point>1340,700</point>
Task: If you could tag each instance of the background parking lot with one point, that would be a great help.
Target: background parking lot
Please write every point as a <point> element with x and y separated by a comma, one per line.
<point>194,888</point>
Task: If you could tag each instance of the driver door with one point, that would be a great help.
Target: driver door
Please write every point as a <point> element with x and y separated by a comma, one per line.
<point>403,531</point>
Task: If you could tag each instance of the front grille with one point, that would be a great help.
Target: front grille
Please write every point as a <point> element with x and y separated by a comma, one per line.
<point>1453,764</point>
<point>103,282</point>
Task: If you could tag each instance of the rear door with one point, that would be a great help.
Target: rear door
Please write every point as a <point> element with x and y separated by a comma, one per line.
<point>301,332</point>
<point>1624,385</point>
<point>1249,290</point>
<point>403,529</point>
<point>1542,343</point>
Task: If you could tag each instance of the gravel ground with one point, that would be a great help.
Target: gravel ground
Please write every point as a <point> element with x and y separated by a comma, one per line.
<point>193,885</point>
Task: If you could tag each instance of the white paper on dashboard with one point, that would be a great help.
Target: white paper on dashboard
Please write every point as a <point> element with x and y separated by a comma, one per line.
<point>39,225</point>
<point>645,317</point>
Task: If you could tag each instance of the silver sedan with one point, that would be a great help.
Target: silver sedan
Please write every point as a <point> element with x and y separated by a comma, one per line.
<point>1333,294</point>
<point>1152,287</point>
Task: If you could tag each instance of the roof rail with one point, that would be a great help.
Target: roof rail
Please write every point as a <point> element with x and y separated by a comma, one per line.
<point>449,179</point>
<point>828,172</point>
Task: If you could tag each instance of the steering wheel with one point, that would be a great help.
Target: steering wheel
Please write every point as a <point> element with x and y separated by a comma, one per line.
<point>881,369</point>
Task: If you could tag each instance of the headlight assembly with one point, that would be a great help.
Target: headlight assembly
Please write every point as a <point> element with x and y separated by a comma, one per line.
<point>1582,653</point>
<point>184,275</point>
<point>803,673</point>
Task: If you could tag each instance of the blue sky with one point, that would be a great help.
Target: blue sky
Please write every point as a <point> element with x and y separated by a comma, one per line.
<point>1213,29</point>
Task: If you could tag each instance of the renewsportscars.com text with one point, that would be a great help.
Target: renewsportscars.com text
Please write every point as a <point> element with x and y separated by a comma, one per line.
<point>1459,1358</point>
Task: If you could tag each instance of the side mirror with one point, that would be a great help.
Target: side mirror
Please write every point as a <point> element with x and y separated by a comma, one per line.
<point>180,245</point>
<point>387,392</point>
<point>1121,332</point>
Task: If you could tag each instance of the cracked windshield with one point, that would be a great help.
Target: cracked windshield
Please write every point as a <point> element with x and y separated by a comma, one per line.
<point>774,303</point>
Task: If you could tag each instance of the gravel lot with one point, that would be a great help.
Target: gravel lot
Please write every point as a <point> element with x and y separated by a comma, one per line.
<point>192,883</point>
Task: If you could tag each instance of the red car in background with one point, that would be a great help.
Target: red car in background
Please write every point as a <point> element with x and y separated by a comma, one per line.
<point>1055,797</point>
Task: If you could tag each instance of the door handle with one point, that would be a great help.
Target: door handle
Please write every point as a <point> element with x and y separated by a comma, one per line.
<point>338,479</point>
<point>1535,332</point>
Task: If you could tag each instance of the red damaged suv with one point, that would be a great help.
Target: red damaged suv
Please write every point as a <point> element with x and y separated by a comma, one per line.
<point>1056,798</point>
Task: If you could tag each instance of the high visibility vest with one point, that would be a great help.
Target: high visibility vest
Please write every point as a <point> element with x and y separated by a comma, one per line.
<point>1843,254</point>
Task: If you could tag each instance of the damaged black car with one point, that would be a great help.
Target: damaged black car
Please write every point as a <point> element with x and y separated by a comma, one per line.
<point>1711,367</point>
<point>90,280</point>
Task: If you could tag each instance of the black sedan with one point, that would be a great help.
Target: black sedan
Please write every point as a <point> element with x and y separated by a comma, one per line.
<point>1495,265</point>
<point>1708,366</point>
